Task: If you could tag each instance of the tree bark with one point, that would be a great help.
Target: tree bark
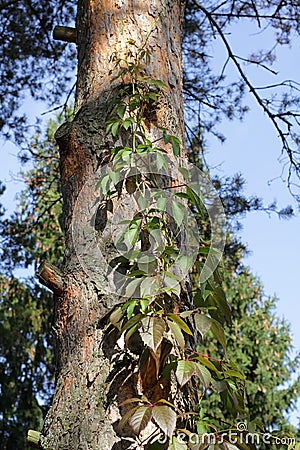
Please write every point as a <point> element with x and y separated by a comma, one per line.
<point>93,374</point>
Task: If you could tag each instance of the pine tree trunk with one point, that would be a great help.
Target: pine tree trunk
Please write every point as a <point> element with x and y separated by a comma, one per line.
<point>93,374</point>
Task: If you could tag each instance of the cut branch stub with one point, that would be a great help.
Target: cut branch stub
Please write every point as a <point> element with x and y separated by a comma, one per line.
<point>66,34</point>
<point>34,439</point>
<point>51,277</point>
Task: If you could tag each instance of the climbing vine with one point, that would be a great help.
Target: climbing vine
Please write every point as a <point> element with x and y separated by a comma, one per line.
<point>169,333</point>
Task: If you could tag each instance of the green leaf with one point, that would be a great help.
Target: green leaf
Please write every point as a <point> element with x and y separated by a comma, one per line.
<point>179,212</point>
<point>195,199</point>
<point>185,172</point>
<point>115,128</point>
<point>218,332</point>
<point>127,123</point>
<point>126,418</point>
<point>296,447</point>
<point>160,84</point>
<point>185,262</point>
<point>152,331</point>
<point>166,136</point>
<point>114,176</point>
<point>181,323</point>
<point>116,316</point>
<point>153,96</point>
<point>175,444</point>
<point>203,374</point>
<point>121,110</point>
<point>133,321</point>
<point>131,287</point>
<point>143,202</point>
<point>165,418</point>
<point>149,287</point>
<point>219,385</point>
<point>103,184</point>
<point>176,331</point>
<point>222,301</point>
<point>203,323</point>
<point>144,305</point>
<point>175,145</point>
<point>182,195</point>
<point>129,333</point>
<point>108,127</point>
<point>130,308</point>
<point>140,418</point>
<point>131,236</point>
<point>202,427</point>
<point>172,283</point>
<point>184,371</point>
<point>234,373</point>
<point>161,161</point>
<point>206,362</point>
<point>161,203</point>
<point>126,155</point>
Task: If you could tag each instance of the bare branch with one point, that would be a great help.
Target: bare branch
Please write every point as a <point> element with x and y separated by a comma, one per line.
<point>251,61</point>
<point>253,91</point>
<point>251,16</point>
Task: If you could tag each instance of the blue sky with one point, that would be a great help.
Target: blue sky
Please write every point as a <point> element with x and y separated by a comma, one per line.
<point>253,149</point>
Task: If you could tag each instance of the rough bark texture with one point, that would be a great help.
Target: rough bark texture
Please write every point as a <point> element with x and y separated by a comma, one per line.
<point>92,371</point>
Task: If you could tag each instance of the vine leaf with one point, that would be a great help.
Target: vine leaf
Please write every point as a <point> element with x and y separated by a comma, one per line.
<point>203,374</point>
<point>115,128</point>
<point>176,145</point>
<point>175,444</point>
<point>148,287</point>
<point>219,386</point>
<point>140,418</point>
<point>182,324</point>
<point>176,331</point>
<point>171,284</point>
<point>203,323</point>
<point>175,142</point>
<point>178,211</point>
<point>132,322</point>
<point>165,418</point>
<point>104,183</point>
<point>234,373</point>
<point>152,331</point>
<point>131,287</point>
<point>218,332</point>
<point>161,203</point>
<point>116,317</point>
<point>121,110</point>
<point>161,161</point>
<point>126,417</point>
<point>185,262</point>
<point>130,308</point>
<point>184,371</point>
<point>207,363</point>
